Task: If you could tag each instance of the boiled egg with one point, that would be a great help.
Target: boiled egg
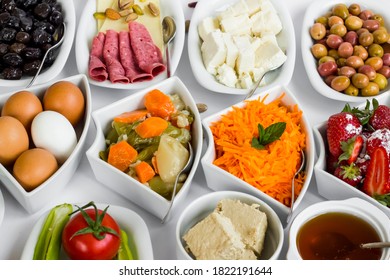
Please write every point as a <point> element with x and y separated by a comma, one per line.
<point>51,131</point>
<point>13,139</point>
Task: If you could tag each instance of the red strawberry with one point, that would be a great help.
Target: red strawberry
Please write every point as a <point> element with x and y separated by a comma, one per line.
<point>341,127</point>
<point>349,174</point>
<point>362,163</point>
<point>379,138</point>
<point>376,181</point>
<point>351,149</point>
<point>380,118</point>
<point>331,163</point>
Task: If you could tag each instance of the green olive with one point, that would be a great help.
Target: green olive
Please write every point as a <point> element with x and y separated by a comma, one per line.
<point>319,50</point>
<point>318,31</point>
<point>380,36</point>
<point>351,90</point>
<point>334,53</point>
<point>375,62</point>
<point>354,61</point>
<point>354,9</point>
<point>353,23</point>
<point>325,59</point>
<point>381,81</point>
<point>341,62</point>
<point>366,39</point>
<point>323,20</point>
<point>379,18</point>
<point>340,10</point>
<point>360,80</point>
<point>360,51</point>
<point>338,29</point>
<point>375,50</point>
<point>370,90</point>
<point>340,83</point>
<point>332,20</point>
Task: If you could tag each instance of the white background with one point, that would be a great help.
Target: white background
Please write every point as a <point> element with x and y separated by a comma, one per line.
<point>17,223</point>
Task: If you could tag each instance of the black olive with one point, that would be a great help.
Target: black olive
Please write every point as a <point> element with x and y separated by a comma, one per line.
<point>13,22</point>
<point>50,2</point>
<point>8,5</point>
<point>42,10</point>
<point>30,68</point>
<point>4,18</point>
<point>26,24</point>
<point>26,4</point>
<point>12,73</point>
<point>7,34</point>
<point>3,49</point>
<point>44,25</point>
<point>17,48</point>
<point>22,37</point>
<point>13,59</point>
<point>31,53</point>
<point>56,18</point>
<point>41,37</point>
<point>19,13</point>
<point>57,7</point>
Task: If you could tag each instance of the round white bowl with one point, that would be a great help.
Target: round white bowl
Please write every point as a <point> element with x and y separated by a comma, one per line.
<point>204,205</point>
<point>353,206</point>
<point>316,9</point>
<point>119,181</point>
<point>55,69</point>
<point>286,41</point>
<point>42,195</point>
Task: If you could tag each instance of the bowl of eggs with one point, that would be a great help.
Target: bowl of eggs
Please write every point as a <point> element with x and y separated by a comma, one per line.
<point>345,49</point>
<point>43,132</point>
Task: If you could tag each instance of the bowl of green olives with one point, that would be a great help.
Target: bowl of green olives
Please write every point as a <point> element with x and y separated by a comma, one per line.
<point>346,49</point>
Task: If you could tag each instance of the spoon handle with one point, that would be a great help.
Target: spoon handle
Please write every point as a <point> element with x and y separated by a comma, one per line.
<point>249,95</point>
<point>167,54</point>
<point>375,245</point>
<point>39,69</point>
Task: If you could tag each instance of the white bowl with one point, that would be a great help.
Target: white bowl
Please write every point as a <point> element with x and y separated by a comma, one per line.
<point>286,41</point>
<point>55,69</point>
<point>353,206</point>
<point>36,199</point>
<point>204,205</point>
<point>87,29</point>
<point>329,186</point>
<point>219,179</point>
<point>129,221</point>
<point>316,9</point>
<point>119,181</point>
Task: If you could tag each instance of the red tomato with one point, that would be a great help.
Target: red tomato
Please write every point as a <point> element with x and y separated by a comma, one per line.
<point>86,246</point>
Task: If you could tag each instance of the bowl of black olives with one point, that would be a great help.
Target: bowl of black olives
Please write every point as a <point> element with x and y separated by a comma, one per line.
<point>27,29</point>
<point>346,50</point>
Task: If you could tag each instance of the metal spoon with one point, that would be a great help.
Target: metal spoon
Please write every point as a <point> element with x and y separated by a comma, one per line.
<point>169,33</point>
<point>303,160</point>
<point>186,168</point>
<point>58,39</point>
<point>374,245</point>
<point>254,88</point>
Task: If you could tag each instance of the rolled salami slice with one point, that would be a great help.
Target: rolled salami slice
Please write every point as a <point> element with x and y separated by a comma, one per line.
<point>147,55</point>
<point>116,73</point>
<point>132,71</point>
<point>96,68</point>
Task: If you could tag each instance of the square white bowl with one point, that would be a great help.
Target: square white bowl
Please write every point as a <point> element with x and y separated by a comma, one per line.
<point>137,232</point>
<point>87,29</point>
<point>119,181</point>
<point>221,180</point>
<point>286,41</point>
<point>55,69</point>
<point>329,186</point>
<point>204,205</point>
<point>36,199</point>
<point>319,8</point>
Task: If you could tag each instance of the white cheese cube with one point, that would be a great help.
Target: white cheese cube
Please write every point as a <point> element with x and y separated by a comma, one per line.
<point>226,75</point>
<point>213,51</point>
<point>227,13</point>
<point>269,55</point>
<point>241,8</point>
<point>245,81</point>
<point>231,50</point>
<point>206,26</point>
<point>246,55</point>
<point>237,25</point>
<point>266,5</point>
<point>253,6</point>
<point>257,73</point>
<point>264,22</point>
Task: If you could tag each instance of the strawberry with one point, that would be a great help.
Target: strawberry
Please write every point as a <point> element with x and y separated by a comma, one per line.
<point>376,181</point>
<point>380,117</point>
<point>351,149</point>
<point>379,138</point>
<point>349,174</point>
<point>341,127</point>
<point>331,163</point>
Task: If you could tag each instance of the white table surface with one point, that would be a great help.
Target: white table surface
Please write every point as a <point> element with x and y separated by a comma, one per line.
<point>83,187</point>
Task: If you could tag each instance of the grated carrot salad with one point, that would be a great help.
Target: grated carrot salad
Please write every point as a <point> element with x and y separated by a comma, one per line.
<point>270,170</point>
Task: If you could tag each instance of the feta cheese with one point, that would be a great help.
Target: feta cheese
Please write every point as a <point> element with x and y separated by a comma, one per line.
<point>264,22</point>
<point>246,55</point>
<point>231,50</point>
<point>239,8</point>
<point>226,75</point>
<point>268,54</point>
<point>206,26</point>
<point>253,6</point>
<point>245,80</point>
<point>213,51</point>
<point>237,25</point>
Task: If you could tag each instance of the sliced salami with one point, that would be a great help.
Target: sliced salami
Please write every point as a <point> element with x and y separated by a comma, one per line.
<point>132,71</point>
<point>147,55</point>
<point>97,69</point>
<point>116,72</point>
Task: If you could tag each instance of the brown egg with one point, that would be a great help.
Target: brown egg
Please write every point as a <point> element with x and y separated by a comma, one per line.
<point>65,98</point>
<point>24,106</point>
<point>13,139</point>
<point>33,167</point>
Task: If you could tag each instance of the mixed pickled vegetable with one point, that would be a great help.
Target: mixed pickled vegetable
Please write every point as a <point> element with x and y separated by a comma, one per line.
<point>150,144</point>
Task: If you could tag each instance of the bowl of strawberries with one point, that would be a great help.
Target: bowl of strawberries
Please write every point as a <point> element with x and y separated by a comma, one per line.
<point>354,154</point>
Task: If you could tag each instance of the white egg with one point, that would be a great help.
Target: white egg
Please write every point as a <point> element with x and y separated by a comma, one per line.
<point>53,132</point>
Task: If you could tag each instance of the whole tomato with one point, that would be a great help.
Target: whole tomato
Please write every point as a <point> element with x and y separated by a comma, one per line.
<point>91,234</point>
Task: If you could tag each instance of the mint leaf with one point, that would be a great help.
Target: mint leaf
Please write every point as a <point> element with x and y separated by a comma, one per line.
<point>268,135</point>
